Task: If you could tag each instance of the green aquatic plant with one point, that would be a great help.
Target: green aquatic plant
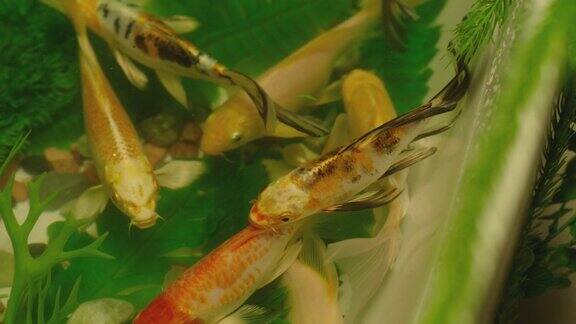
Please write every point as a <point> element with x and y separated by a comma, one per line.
<point>38,78</point>
<point>543,260</point>
<point>31,279</point>
<point>478,27</point>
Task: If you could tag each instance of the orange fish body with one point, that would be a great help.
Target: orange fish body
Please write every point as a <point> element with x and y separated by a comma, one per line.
<point>221,281</point>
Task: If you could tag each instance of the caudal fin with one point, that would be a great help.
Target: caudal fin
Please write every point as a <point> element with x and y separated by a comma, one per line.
<point>269,110</point>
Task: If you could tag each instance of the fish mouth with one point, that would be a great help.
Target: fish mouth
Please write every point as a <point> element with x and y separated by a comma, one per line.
<point>144,224</point>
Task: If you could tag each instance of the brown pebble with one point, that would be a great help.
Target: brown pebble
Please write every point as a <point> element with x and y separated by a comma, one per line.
<point>61,161</point>
<point>183,150</point>
<point>191,132</point>
<point>19,191</point>
<point>154,153</point>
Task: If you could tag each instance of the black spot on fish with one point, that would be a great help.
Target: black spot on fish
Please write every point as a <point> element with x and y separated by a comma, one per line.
<point>356,178</point>
<point>129,29</point>
<point>385,142</point>
<point>117,25</point>
<point>170,51</point>
<point>140,41</point>
<point>348,164</point>
<point>104,8</point>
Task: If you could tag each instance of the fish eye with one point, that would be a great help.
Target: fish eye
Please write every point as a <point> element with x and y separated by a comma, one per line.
<point>285,219</point>
<point>236,137</point>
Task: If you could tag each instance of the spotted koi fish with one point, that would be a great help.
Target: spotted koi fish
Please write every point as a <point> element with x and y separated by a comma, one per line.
<point>221,281</point>
<point>336,180</point>
<point>155,43</point>
<point>127,176</point>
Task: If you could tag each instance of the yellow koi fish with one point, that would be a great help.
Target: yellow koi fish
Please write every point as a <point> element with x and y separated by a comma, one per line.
<point>336,180</point>
<point>133,34</point>
<point>126,174</point>
<point>305,72</point>
<point>221,281</point>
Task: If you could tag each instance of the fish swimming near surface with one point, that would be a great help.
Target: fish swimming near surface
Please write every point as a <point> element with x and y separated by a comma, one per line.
<point>337,180</point>
<point>291,82</point>
<point>221,281</point>
<point>155,43</point>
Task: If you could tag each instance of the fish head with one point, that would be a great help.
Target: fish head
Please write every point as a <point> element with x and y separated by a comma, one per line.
<point>134,190</point>
<point>230,126</point>
<point>282,203</point>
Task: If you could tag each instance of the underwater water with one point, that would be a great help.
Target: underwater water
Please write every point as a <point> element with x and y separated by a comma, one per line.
<point>326,161</point>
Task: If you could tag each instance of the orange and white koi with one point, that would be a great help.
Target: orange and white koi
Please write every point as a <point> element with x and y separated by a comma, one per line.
<point>133,34</point>
<point>335,181</point>
<point>221,281</point>
<point>306,72</point>
<point>126,174</point>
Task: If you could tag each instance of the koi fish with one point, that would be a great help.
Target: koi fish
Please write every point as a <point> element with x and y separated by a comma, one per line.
<point>366,261</point>
<point>133,34</point>
<point>221,281</point>
<point>312,285</point>
<point>126,174</point>
<point>336,180</point>
<point>235,122</point>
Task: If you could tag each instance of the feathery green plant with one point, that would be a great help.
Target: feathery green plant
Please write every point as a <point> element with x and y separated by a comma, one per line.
<point>478,27</point>
<point>543,260</point>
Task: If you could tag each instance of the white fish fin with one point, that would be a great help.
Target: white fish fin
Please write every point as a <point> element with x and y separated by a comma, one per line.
<point>339,134</point>
<point>408,159</point>
<point>329,94</point>
<point>313,255</point>
<point>367,200</point>
<point>367,261</point>
<point>90,203</point>
<point>290,254</point>
<point>438,129</point>
<point>133,73</point>
<point>181,24</point>
<point>247,314</point>
<point>179,173</point>
<point>173,84</point>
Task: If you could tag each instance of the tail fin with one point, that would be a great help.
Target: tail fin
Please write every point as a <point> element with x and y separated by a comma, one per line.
<point>269,110</point>
<point>265,104</point>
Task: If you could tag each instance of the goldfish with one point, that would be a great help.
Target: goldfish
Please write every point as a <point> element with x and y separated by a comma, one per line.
<point>336,180</point>
<point>304,73</point>
<point>223,279</point>
<point>135,35</point>
<point>127,176</point>
<point>312,285</point>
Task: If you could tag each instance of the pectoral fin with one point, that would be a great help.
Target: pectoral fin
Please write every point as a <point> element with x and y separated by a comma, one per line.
<point>329,94</point>
<point>178,174</point>
<point>173,84</point>
<point>367,200</point>
<point>181,24</point>
<point>288,258</point>
<point>134,75</point>
<point>313,255</point>
<point>247,314</point>
<point>90,203</point>
<point>409,159</point>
